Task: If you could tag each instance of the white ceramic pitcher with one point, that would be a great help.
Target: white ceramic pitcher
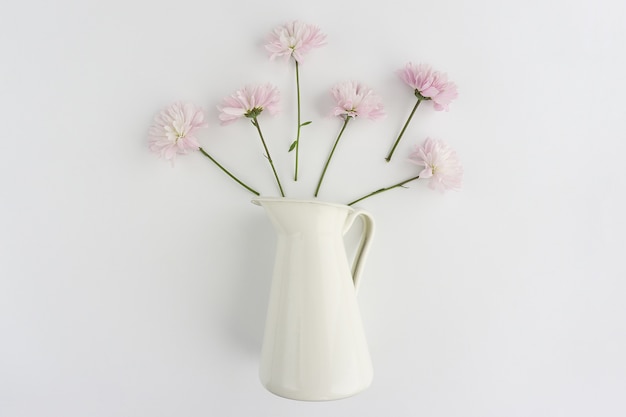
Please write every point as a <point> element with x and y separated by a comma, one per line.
<point>314,347</point>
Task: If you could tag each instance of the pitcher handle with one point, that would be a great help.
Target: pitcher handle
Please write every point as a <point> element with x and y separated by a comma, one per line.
<point>364,243</point>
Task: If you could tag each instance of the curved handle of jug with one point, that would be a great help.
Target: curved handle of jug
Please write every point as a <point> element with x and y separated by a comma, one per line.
<point>364,244</point>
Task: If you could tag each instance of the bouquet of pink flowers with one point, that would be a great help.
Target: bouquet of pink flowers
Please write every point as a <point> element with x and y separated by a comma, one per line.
<point>174,128</point>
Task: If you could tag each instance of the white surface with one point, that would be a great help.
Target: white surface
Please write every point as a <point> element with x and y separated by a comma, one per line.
<point>129,288</point>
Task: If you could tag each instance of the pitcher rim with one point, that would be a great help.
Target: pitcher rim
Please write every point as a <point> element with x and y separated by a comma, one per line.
<point>259,200</point>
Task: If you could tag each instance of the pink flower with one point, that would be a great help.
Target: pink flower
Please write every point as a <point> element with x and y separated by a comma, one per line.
<point>294,39</point>
<point>429,84</point>
<point>356,100</point>
<point>250,101</point>
<point>440,164</point>
<point>174,128</point>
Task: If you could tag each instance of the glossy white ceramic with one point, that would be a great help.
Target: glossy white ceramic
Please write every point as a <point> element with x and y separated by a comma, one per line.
<point>314,347</point>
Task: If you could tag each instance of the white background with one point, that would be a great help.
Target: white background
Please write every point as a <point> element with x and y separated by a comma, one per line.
<point>131,288</point>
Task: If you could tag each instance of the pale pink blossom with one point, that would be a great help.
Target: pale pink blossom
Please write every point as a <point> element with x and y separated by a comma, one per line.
<point>173,130</point>
<point>354,99</point>
<point>429,84</point>
<point>440,163</point>
<point>294,39</point>
<point>250,101</point>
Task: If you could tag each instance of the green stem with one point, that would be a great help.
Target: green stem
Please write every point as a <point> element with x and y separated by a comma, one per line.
<point>255,122</point>
<point>400,184</point>
<point>319,184</point>
<point>252,190</point>
<point>295,178</point>
<point>388,158</point>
